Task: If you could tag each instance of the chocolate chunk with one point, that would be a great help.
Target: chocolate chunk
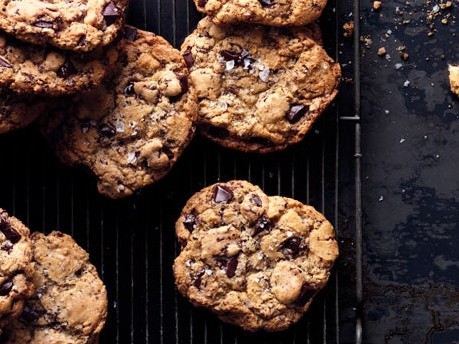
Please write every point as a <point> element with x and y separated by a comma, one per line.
<point>197,282</point>
<point>188,57</point>
<point>306,294</point>
<point>231,266</point>
<point>4,63</point>
<point>111,13</point>
<point>190,221</point>
<point>257,200</point>
<point>222,194</point>
<point>202,3</point>
<point>229,55</point>
<point>6,288</point>
<point>184,83</point>
<point>296,112</point>
<point>265,3</point>
<point>130,34</point>
<point>292,247</point>
<point>261,225</point>
<point>10,233</point>
<point>67,69</point>
<point>107,130</point>
<point>82,41</point>
<point>129,89</point>
<point>43,24</point>
<point>7,246</point>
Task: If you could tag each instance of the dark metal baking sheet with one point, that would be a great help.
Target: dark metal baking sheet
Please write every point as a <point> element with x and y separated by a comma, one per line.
<point>132,241</point>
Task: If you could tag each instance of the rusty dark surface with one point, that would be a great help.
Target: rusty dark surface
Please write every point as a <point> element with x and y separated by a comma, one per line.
<point>410,174</point>
<point>406,291</point>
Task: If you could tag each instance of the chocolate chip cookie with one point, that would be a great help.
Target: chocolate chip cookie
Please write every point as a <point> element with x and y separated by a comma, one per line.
<point>70,303</point>
<point>259,88</point>
<point>79,25</point>
<point>256,261</point>
<point>16,268</point>
<point>131,130</point>
<point>267,12</point>
<point>17,111</point>
<point>25,68</point>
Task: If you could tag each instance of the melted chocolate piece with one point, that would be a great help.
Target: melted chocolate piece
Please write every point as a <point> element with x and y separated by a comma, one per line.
<point>111,13</point>
<point>231,266</point>
<point>202,3</point>
<point>7,246</point>
<point>237,57</point>
<point>67,69</point>
<point>107,130</point>
<point>129,89</point>
<point>266,3</point>
<point>261,225</point>
<point>184,83</point>
<point>292,247</point>
<point>257,200</point>
<point>4,63</point>
<point>223,194</point>
<point>190,221</point>
<point>10,233</point>
<point>197,282</point>
<point>296,112</point>
<point>188,57</point>
<point>6,288</point>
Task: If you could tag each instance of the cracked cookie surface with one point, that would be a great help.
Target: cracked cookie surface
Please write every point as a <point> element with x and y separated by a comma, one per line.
<point>130,130</point>
<point>70,303</point>
<point>25,68</point>
<point>79,25</point>
<point>16,268</point>
<point>254,260</point>
<point>259,88</point>
<point>267,12</point>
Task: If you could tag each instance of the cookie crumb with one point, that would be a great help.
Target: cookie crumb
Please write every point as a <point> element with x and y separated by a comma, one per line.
<point>454,78</point>
<point>348,29</point>
<point>382,51</point>
<point>377,5</point>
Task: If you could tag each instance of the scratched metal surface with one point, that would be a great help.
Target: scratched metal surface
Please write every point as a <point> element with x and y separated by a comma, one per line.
<point>410,174</point>
<point>132,241</point>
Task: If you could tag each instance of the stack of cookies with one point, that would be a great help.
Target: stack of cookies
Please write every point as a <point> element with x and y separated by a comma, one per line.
<point>125,103</point>
<point>49,290</point>
<point>117,98</point>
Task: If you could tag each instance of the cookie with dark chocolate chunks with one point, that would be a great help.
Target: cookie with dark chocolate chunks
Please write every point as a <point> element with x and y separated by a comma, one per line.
<point>260,88</point>
<point>255,261</point>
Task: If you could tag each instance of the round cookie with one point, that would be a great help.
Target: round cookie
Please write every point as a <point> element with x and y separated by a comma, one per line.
<point>267,12</point>
<point>16,268</point>
<point>25,68</point>
<point>259,88</point>
<point>131,130</point>
<point>256,261</point>
<point>17,111</point>
<point>79,25</point>
<point>70,303</point>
